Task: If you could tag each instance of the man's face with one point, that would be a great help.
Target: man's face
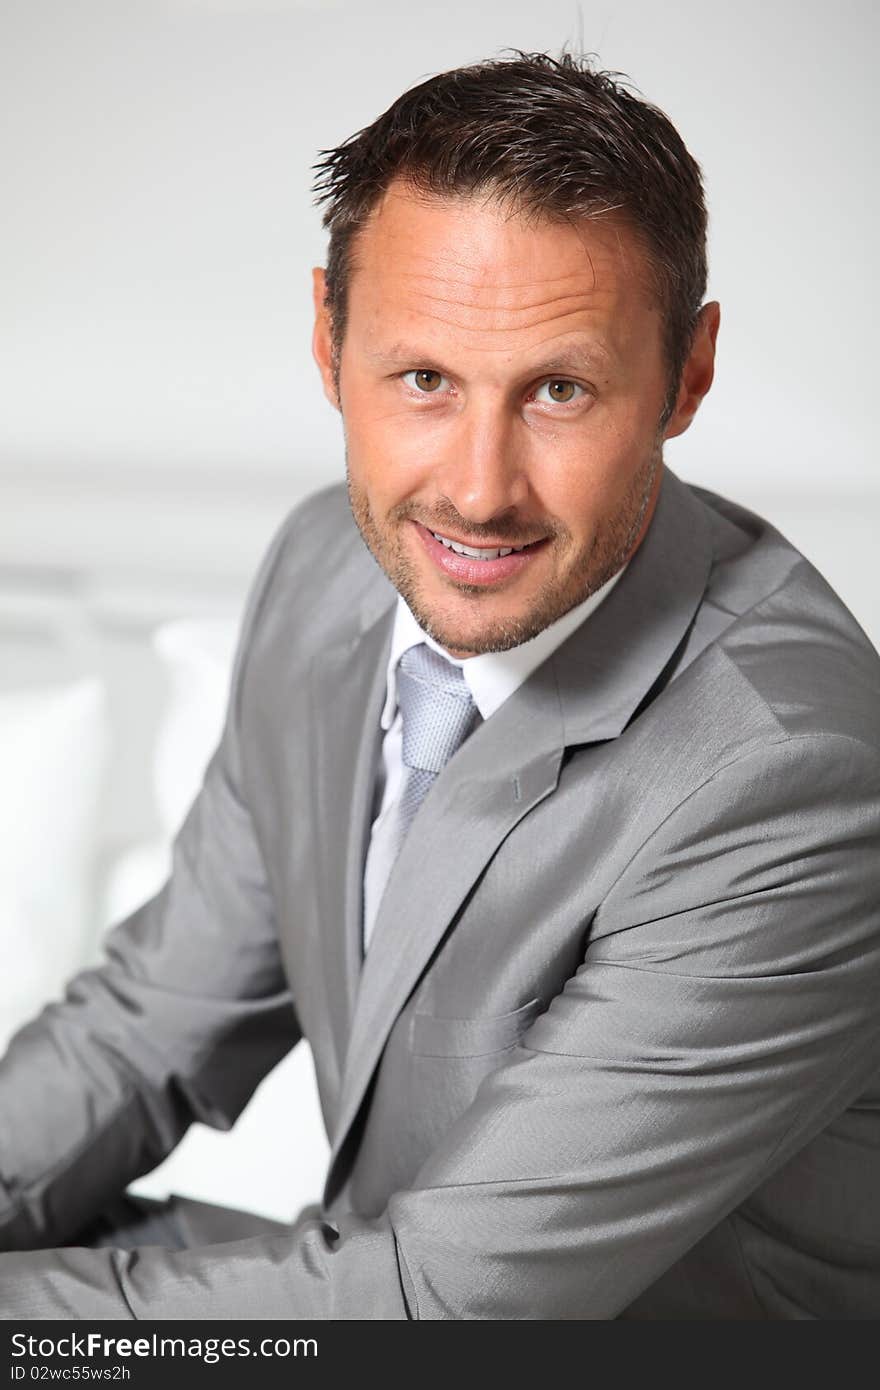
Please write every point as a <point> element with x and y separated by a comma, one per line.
<point>501,385</point>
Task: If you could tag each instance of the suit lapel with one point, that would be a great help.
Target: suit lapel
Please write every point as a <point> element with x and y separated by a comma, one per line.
<point>347,686</point>
<point>585,692</point>
<point>612,663</point>
<point>476,800</point>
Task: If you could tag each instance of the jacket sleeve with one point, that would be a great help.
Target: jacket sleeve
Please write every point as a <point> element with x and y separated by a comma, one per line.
<point>724,1012</point>
<point>180,1023</point>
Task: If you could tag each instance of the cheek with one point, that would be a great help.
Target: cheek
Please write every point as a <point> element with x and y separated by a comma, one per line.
<point>386,451</point>
<point>581,476</point>
<point>378,461</point>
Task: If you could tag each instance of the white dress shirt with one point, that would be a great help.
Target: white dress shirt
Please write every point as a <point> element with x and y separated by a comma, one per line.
<point>491,677</point>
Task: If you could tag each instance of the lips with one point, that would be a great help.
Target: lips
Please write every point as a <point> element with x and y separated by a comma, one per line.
<point>469,570</point>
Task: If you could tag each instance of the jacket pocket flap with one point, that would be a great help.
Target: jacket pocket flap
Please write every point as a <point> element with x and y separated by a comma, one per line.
<point>470,1037</point>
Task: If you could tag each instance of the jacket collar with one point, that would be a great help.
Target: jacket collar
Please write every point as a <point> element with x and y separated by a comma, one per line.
<point>492,677</point>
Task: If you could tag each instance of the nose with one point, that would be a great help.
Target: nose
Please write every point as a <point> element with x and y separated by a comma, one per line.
<point>484,472</point>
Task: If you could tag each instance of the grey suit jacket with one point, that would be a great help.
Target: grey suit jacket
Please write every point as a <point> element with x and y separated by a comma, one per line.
<point>614,1048</point>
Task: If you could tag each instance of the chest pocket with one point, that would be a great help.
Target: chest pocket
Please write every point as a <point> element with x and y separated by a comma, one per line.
<point>470,1037</point>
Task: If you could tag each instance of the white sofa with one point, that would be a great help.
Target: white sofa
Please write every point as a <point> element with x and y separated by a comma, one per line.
<point>64,879</point>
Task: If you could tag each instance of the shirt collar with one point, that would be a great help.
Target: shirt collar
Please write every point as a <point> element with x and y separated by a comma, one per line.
<point>491,676</point>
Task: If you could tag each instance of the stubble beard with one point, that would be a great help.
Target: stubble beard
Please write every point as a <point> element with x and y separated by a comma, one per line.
<point>599,562</point>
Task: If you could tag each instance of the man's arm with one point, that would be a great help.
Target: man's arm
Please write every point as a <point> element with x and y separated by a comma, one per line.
<point>188,1013</point>
<point>725,1011</point>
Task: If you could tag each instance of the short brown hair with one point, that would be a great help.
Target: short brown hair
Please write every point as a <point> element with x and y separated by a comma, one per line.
<point>554,137</point>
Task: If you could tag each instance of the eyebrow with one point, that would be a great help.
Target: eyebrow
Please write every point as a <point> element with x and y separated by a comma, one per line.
<point>567,359</point>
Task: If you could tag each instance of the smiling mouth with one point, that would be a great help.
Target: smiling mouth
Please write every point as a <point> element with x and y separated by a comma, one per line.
<point>473,552</point>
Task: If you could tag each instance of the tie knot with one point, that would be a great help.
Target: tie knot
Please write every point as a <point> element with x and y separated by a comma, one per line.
<point>437,708</point>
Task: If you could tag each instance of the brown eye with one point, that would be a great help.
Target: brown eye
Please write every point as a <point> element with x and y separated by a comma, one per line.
<point>427,380</point>
<point>560,391</point>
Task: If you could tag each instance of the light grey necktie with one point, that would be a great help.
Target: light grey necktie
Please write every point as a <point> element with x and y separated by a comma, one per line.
<point>438,713</point>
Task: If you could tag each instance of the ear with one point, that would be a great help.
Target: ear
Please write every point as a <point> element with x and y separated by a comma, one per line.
<point>322,337</point>
<point>698,371</point>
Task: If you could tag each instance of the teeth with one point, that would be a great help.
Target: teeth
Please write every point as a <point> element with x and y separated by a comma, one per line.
<point>472,552</point>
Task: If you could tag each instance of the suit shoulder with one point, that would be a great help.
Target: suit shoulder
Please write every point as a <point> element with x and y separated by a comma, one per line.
<point>318,538</point>
<point>788,641</point>
<point>321,569</point>
<point>321,514</point>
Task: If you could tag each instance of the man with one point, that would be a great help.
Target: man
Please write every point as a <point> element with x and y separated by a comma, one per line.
<point>549,815</point>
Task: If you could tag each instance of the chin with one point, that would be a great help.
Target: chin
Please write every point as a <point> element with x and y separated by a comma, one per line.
<point>475,636</point>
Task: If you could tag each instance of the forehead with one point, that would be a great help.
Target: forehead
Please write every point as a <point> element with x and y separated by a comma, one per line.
<point>493,276</point>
